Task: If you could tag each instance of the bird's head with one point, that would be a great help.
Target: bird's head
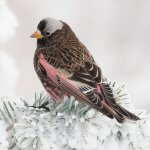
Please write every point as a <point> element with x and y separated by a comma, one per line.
<point>47,27</point>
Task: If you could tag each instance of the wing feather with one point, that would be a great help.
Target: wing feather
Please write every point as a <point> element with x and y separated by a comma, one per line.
<point>86,89</point>
<point>63,82</point>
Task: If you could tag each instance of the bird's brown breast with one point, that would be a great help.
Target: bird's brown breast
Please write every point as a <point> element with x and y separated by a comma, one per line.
<point>64,51</point>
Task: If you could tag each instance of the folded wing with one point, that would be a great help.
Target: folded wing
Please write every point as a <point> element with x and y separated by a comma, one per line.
<point>86,86</point>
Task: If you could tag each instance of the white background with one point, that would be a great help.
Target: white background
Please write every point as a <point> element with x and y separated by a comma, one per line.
<point>116,32</point>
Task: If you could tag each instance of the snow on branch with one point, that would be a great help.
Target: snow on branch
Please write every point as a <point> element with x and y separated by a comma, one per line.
<point>70,125</point>
<point>3,136</point>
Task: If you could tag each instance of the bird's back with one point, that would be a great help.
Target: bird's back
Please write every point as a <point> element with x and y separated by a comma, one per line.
<point>63,50</point>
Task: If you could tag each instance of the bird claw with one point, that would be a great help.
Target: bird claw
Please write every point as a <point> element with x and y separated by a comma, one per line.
<point>44,106</point>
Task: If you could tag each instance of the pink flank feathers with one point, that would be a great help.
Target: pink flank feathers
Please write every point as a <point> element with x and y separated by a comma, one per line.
<point>61,81</point>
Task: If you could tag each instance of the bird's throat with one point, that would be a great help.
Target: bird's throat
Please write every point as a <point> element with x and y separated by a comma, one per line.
<point>41,43</point>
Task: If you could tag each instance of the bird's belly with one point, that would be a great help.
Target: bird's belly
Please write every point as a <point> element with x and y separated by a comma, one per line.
<point>47,74</point>
<point>51,87</point>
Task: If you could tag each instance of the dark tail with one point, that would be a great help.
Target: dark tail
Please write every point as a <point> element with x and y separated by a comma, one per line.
<point>117,111</point>
<point>121,114</point>
<point>125,114</point>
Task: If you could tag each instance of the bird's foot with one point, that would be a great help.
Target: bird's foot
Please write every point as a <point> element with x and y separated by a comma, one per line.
<point>44,106</point>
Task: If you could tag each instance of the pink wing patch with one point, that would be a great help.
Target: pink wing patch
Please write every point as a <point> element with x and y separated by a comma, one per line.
<point>51,71</point>
<point>61,81</point>
<point>52,88</point>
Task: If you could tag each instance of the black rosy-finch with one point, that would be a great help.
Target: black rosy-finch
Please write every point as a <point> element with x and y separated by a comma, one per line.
<point>66,68</point>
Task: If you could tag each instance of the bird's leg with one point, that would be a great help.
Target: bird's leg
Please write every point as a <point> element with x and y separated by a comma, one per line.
<point>44,106</point>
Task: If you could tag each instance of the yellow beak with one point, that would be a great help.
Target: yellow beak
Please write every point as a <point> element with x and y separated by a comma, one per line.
<point>37,35</point>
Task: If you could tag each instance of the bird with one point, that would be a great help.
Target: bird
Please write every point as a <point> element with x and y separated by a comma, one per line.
<point>65,67</point>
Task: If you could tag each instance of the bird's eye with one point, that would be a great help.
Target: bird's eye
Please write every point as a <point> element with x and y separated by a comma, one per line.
<point>47,33</point>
